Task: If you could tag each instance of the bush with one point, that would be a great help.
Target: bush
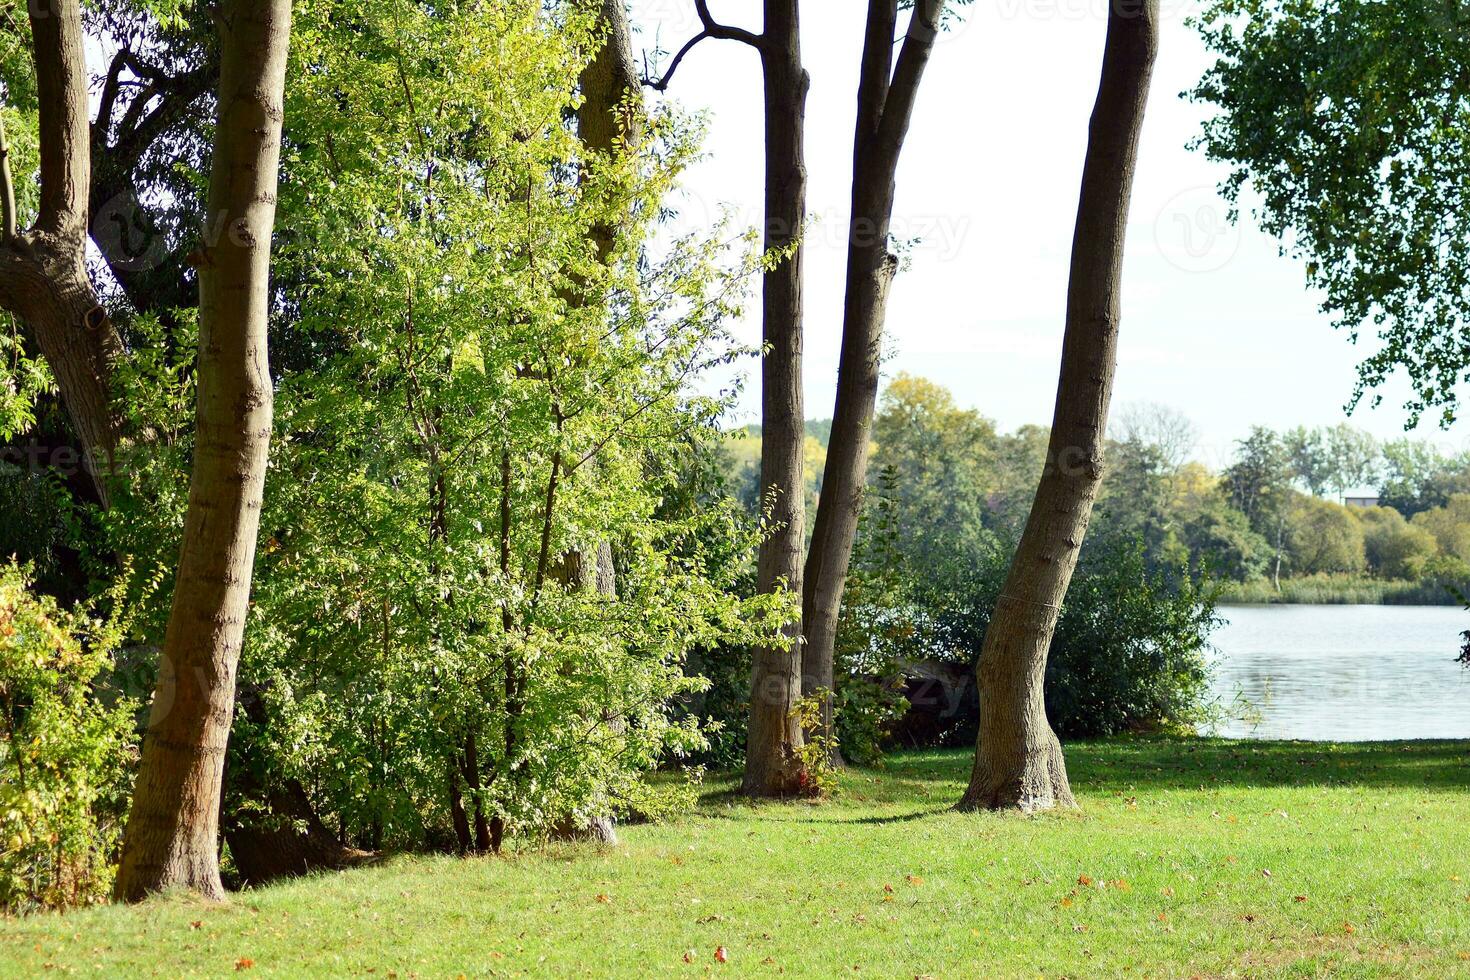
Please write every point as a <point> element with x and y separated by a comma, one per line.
<point>1396,549</point>
<point>64,754</point>
<point>1128,653</point>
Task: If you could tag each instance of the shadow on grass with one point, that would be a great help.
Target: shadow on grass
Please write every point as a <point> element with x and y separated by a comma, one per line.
<point>1145,764</point>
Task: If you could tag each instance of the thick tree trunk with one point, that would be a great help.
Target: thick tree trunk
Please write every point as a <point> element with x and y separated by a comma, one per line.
<point>172,833</point>
<point>1018,760</point>
<point>43,272</point>
<point>774,737</point>
<point>885,107</point>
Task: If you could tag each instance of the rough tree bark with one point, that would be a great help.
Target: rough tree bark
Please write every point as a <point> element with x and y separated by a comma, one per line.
<point>774,738</point>
<point>1018,759</point>
<point>172,833</point>
<point>886,97</point>
<point>43,271</point>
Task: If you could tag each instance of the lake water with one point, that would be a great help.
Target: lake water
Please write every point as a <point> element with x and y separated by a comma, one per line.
<point>1344,673</point>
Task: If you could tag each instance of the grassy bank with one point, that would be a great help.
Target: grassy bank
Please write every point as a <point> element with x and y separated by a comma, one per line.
<point>1340,590</point>
<point>1187,858</point>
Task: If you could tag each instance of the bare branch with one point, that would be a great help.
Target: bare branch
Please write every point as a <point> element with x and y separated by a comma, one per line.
<point>711,29</point>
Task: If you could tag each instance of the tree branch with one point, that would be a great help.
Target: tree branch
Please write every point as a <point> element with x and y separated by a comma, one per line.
<point>913,58</point>
<point>61,84</point>
<point>7,188</point>
<point>711,28</point>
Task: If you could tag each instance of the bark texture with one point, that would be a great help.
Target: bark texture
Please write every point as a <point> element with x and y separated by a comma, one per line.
<point>43,271</point>
<point>886,97</point>
<point>774,737</point>
<point>172,834</point>
<point>1018,759</point>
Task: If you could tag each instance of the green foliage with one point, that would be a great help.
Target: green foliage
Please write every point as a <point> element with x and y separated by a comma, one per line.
<point>1127,651</point>
<point>1324,537</point>
<point>64,752</point>
<point>1347,118</point>
<point>1394,548</point>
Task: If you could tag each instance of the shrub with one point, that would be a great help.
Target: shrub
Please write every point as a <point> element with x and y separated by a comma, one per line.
<point>1396,549</point>
<point>64,754</point>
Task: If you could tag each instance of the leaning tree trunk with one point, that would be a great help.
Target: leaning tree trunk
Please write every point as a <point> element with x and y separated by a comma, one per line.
<point>1018,760</point>
<point>43,272</point>
<point>886,99</point>
<point>774,738</point>
<point>171,838</point>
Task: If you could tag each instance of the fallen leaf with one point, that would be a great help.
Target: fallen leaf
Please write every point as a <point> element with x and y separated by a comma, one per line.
<point>603,898</point>
<point>1066,903</point>
<point>914,880</point>
<point>1265,872</point>
<point>1122,885</point>
<point>720,955</point>
<point>1349,928</point>
<point>888,889</point>
<point>197,924</point>
<point>689,955</point>
<point>244,963</point>
<point>1167,892</point>
<point>1084,881</point>
<point>1299,898</point>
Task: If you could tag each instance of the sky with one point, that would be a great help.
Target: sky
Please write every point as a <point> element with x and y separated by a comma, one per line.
<point>1216,323</point>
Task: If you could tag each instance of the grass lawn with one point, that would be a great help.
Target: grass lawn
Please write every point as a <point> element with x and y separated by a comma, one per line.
<point>1187,858</point>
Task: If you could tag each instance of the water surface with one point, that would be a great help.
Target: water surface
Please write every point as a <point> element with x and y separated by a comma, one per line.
<point>1344,673</point>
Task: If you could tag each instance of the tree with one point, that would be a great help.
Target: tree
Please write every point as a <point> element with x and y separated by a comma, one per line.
<point>1323,536</point>
<point>1018,759</point>
<point>43,271</point>
<point>1355,458</point>
<point>1450,526</point>
<point>1394,547</point>
<point>1166,429</point>
<point>1344,116</point>
<point>774,738</point>
<point>1310,459</point>
<point>887,93</point>
<point>1258,483</point>
<point>172,834</point>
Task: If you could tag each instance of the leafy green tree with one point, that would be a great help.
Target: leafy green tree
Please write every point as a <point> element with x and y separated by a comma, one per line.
<point>1322,536</point>
<point>1345,116</point>
<point>1450,525</point>
<point>1258,483</point>
<point>1394,547</point>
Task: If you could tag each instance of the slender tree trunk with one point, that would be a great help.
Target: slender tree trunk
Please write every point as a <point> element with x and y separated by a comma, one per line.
<point>774,738</point>
<point>172,833</point>
<point>886,100</point>
<point>43,272</point>
<point>1018,760</point>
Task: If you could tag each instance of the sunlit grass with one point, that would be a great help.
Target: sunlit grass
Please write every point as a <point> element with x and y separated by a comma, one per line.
<point>1187,858</point>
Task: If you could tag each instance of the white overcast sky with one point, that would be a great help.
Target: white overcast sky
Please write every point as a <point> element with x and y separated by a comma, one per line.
<point>1215,322</point>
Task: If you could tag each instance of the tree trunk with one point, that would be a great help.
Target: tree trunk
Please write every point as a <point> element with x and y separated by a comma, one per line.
<point>885,108</point>
<point>172,833</point>
<point>774,737</point>
<point>1018,760</point>
<point>292,841</point>
<point>43,272</point>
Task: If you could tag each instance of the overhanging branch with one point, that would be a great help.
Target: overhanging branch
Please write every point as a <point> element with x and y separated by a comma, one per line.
<point>710,28</point>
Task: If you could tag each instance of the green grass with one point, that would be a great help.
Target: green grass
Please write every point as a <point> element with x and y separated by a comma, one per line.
<point>1206,858</point>
<point>1340,590</point>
